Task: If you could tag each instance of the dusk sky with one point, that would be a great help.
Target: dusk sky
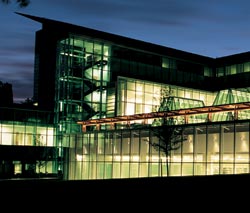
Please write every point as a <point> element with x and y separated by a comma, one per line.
<point>211,28</point>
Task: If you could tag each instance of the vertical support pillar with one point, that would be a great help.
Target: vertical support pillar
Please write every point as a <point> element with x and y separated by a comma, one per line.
<point>209,117</point>
<point>98,126</point>
<point>112,126</point>
<point>186,119</point>
<point>236,114</point>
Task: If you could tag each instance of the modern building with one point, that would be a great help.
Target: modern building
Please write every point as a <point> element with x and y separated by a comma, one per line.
<point>109,106</point>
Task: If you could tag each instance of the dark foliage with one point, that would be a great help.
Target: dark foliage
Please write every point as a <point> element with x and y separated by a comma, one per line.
<point>21,3</point>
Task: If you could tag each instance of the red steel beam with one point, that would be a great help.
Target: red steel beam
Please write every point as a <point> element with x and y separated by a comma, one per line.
<point>168,114</point>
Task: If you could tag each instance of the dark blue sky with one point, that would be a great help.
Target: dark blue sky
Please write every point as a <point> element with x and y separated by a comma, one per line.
<point>212,28</point>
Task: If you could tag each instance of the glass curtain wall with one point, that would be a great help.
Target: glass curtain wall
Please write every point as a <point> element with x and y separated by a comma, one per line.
<point>14,133</point>
<point>208,150</point>
<point>82,81</point>
<point>82,78</point>
<point>232,96</point>
<point>136,96</point>
<point>32,131</point>
<point>17,134</point>
<point>233,69</point>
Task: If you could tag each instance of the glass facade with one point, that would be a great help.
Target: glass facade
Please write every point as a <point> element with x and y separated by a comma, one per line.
<point>233,69</point>
<point>221,148</point>
<point>13,133</point>
<point>231,96</point>
<point>27,144</point>
<point>82,80</point>
<point>137,96</point>
<point>217,148</point>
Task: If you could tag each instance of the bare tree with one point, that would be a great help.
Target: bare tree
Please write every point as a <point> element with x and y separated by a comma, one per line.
<point>21,3</point>
<point>169,138</point>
